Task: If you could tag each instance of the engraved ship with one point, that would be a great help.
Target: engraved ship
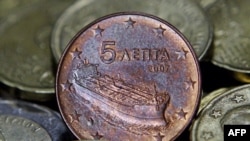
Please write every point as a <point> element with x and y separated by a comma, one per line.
<point>133,105</point>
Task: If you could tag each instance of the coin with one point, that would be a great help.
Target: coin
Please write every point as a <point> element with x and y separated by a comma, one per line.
<point>49,119</point>
<point>11,5</point>
<point>242,77</point>
<point>186,15</point>
<point>21,129</point>
<point>128,76</point>
<point>231,107</point>
<point>25,57</point>
<point>210,96</point>
<point>231,31</point>
<point>206,3</point>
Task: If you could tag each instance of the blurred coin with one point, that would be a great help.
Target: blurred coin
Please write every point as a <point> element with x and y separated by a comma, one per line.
<point>186,15</point>
<point>242,77</point>
<point>231,107</point>
<point>25,57</point>
<point>128,76</point>
<point>7,6</point>
<point>50,120</point>
<point>232,34</point>
<point>206,3</point>
<point>15,128</point>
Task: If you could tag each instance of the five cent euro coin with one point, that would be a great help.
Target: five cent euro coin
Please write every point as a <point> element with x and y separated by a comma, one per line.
<point>186,15</point>
<point>128,76</point>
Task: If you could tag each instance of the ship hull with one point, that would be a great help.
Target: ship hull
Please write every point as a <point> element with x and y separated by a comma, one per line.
<point>137,119</point>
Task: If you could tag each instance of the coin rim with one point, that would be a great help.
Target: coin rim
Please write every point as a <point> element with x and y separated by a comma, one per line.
<point>62,58</point>
<point>47,135</point>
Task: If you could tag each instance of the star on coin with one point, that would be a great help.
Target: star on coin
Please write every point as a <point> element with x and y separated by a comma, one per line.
<point>98,31</point>
<point>76,54</point>
<point>75,116</point>
<point>97,136</point>
<point>182,114</point>
<point>216,113</point>
<point>238,98</point>
<point>159,137</point>
<point>181,54</point>
<point>90,121</point>
<point>66,86</point>
<point>159,31</point>
<point>130,23</point>
<point>190,83</point>
<point>207,135</point>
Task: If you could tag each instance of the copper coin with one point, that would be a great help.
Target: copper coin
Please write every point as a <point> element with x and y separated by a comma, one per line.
<point>128,76</point>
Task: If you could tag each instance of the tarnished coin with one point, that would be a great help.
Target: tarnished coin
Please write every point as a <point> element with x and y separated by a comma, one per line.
<point>49,119</point>
<point>186,15</point>
<point>15,128</point>
<point>230,108</point>
<point>231,30</point>
<point>25,56</point>
<point>128,76</point>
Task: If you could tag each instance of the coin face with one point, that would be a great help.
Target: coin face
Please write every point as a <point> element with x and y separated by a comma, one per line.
<point>50,120</point>
<point>128,76</point>
<point>231,31</point>
<point>21,129</point>
<point>186,15</point>
<point>230,108</point>
<point>25,56</point>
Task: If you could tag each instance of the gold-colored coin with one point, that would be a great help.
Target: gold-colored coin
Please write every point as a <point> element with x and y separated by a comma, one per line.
<point>242,77</point>
<point>231,107</point>
<point>231,34</point>
<point>210,96</point>
<point>25,57</point>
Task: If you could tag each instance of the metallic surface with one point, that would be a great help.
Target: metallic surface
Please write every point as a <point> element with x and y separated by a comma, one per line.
<point>128,76</point>
<point>231,30</point>
<point>205,3</point>
<point>15,128</point>
<point>242,77</point>
<point>50,120</point>
<point>25,57</point>
<point>210,96</point>
<point>186,15</point>
<point>231,107</point>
